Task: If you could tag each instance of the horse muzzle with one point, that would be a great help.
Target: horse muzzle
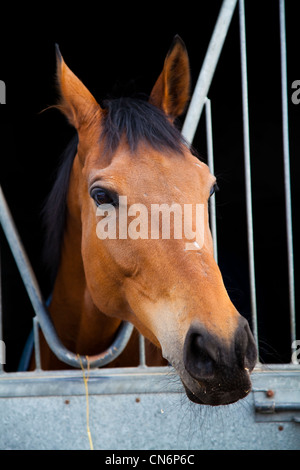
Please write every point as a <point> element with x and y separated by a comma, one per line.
<point>218,373</point>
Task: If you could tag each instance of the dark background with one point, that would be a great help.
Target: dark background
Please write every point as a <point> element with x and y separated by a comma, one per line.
<point>115,49</point>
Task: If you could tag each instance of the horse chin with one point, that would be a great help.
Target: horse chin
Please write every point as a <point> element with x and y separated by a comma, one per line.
<point>215,391</point>
<point>204,396</point>
<point>192,397</point>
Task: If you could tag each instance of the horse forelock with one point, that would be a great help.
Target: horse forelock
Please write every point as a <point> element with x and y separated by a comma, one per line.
<point>138,121</point>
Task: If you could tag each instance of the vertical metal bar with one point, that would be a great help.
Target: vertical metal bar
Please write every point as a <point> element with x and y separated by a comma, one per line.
<point>37,351</point>
<point>2,347</point>
<point>2,92</point>
<point>286,164</point>
<point>208,69</point>
<point>210,160</point>
<point>244,79</point>
<point>142,351</point>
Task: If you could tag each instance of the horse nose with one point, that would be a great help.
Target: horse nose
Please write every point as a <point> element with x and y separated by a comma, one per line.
<point>245,347</point>
<point>200,354</point>
<point>207,356</point>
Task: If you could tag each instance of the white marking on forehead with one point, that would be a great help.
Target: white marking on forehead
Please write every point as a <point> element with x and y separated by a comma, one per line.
<point>199,164</point>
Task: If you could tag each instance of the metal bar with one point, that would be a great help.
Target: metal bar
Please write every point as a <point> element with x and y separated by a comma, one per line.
<point>1,324</point>
<point>101,381</point>
<point>129,380</point>
<point>38,304</point>
<point>37,350</point>
<point>2,92</point>
<point>210,160</point>
<point>275,407</point>
<point>286,164</point>
<point>208,69</point>
<point>244,79</point>
<point>142,351</point>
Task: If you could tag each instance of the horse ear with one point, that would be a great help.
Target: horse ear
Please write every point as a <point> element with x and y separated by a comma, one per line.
<point>171,91</point>
<point>76,102</point>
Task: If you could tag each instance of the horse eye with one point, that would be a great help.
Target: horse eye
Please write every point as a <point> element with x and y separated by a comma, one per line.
<point>214,189</point>
<point>101,196</point>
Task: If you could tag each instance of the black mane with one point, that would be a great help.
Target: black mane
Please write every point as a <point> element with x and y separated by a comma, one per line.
<point>138,121</point>
<point>55,208</point>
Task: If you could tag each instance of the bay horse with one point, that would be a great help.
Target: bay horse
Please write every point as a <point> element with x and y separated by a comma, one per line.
<point>173,296</point>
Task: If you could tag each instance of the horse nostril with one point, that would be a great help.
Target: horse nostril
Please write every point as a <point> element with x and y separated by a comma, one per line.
<point>207,357</point>
<point>245,348</point>
<point>200,356</point>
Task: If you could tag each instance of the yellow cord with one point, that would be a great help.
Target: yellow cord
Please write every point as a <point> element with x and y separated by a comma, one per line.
<point>85,379</point>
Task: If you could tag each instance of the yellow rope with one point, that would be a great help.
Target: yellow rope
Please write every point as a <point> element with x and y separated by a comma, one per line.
<point>85,379</point>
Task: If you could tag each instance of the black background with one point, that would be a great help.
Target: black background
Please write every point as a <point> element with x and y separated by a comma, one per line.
<point>116,48</point>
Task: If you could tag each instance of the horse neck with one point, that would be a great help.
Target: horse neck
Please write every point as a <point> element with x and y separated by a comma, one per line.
<point>80,325</point>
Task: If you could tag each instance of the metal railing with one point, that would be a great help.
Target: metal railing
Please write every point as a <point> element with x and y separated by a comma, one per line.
<point>200,100</point>
<point>198,103</point>
<point>287,178</point>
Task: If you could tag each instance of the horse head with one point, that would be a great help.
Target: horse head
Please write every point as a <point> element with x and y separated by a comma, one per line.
<point>131,165</point>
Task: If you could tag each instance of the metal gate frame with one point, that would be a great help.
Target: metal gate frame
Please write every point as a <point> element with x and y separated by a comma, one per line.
<point>274,403</point>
